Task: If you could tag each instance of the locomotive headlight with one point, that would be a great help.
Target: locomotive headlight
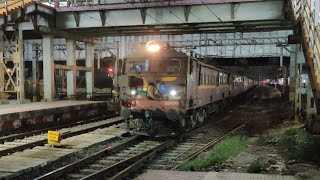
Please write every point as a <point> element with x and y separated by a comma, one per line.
<point>173,92</point>
<point>153,46</point>
<point>133,92</point>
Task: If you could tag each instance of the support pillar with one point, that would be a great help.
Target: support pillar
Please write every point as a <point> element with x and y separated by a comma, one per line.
<point>71,74</point>
<point>297,104</point>
<point>292,73</point>
<point>90,74</point>
<point>48,67</point>
<point>311,106</point>
<point>283,68</point>
<point>281,56</point>
<point>98,60</point>
<point>2,71</point>
<point>35,70</point>
<point>299,89</point>
<point>18,58</point>
<point>122,47</point>
<point>116,66</point>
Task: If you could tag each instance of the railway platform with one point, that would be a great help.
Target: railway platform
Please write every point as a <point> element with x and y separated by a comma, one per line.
<point>20,164</point>
<point>180,175</point>
<point>16,117</point>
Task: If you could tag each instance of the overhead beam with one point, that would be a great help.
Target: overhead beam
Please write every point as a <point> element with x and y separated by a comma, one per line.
<point>65,34</point>
<point>171,15</point>
<point>153,4</point>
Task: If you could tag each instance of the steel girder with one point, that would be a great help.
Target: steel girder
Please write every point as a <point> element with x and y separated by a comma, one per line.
<point>174,19</point>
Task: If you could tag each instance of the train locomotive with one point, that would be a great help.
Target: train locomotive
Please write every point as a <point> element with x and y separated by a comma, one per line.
<point>170,91</point>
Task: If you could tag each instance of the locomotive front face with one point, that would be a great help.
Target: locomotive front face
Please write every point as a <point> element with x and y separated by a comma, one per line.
<point>153,82</point>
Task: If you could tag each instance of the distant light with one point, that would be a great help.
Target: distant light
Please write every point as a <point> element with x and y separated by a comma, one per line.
<point>110,70</point>
<point>173,92</point>
<point>9,70</point>
<point>153,46</point>
<point>133,92</point>
<point>304,81</point>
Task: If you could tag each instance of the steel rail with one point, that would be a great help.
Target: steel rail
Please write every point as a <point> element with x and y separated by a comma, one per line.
<point>40,131</point>
<point>132,162</point>
<point>65,135</point>
<point>71,167</point>
<point>136,165</point>
<point>124,173</point>
<point>210,144</point>
<point>136,161</point>
<point>123,168</point>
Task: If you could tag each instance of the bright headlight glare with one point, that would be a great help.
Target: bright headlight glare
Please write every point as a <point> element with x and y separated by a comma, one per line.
<point>133,92</point>
<point>153,48</point>
<point>173,92</point>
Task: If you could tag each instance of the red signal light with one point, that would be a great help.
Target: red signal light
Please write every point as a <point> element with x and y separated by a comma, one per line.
<point>110,70</point>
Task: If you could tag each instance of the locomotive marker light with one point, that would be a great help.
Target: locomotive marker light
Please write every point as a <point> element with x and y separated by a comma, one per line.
<point>152,46</point>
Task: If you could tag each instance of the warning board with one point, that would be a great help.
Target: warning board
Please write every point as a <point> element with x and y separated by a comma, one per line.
<point>54,138</point>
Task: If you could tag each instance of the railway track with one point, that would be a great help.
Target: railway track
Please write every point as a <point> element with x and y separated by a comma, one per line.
<point>192,147</point>
<point>119,160</point>
<point>112,162</point>
<point>28,140</point>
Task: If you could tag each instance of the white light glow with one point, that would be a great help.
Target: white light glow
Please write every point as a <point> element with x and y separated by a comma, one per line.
<point>173,92</point>
<point>133,92</point>
<point>153,48</point>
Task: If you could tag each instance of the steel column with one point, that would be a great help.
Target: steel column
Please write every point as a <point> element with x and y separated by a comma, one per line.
<point>299,88</point>
<point>89,74</point>
<point>2,70</point>
<point>18,58</point>
<point>71,74</point>
<point>35,70</point>
<point>48,67</point>
<point>297,104</point>
<point>311,106</point>
<point>292,72</point>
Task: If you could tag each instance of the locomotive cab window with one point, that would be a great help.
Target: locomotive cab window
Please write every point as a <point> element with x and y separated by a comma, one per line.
<point>138,66</point>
